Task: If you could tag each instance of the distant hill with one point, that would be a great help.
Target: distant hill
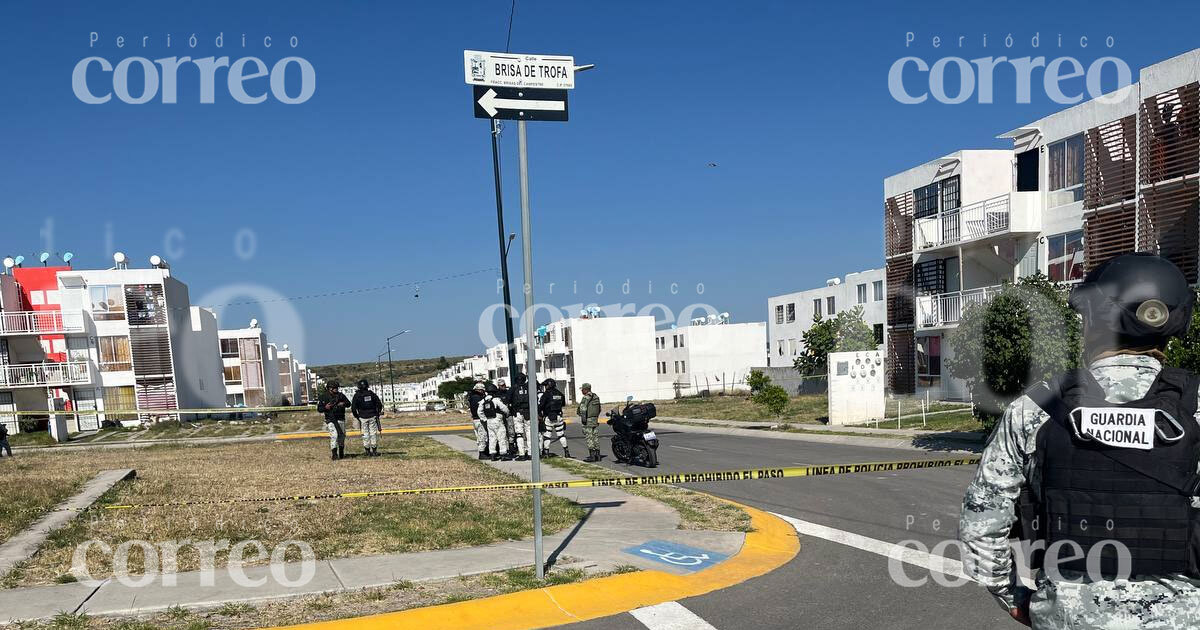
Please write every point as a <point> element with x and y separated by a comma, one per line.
<point>406,370</point>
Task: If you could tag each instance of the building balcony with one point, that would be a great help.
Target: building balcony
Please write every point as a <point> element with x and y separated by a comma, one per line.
<point>40,322</point>
<point>44,374</point>
<point>1007,214</point>
<point>944,310</point>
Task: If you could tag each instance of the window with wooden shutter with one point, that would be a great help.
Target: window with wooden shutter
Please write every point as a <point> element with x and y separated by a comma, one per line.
<point>901,361</point>
<point>1169,159</point>
<point>897,228</point>
<point>900,292</point>
<point>1110,165</point>
<point>151,350</point>
<point>145,304</point>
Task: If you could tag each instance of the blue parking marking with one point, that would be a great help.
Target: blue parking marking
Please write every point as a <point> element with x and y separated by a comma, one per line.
<point>677,555</point>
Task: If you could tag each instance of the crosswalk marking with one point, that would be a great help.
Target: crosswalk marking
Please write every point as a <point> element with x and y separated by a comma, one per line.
<point>670,616</point>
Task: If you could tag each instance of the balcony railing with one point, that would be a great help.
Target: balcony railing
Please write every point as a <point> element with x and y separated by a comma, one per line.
<point>946,309</point>
<point>40,322</point>
<point>44,374</point>
<point>960,225</point>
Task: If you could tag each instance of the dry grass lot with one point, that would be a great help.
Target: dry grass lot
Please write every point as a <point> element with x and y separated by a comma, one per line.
<point>286,422</point>
<point>333,527</point>
<point>809,409</point>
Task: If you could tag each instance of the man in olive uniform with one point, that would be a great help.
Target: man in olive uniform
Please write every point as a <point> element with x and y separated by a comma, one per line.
<point>367,407</point>
<point>333,404</point>
<point>1138,496</point>
<point>589,417</point>
<point>474,397</point>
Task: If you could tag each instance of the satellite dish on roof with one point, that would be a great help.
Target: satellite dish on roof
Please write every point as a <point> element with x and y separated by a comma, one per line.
<point>254,323</point>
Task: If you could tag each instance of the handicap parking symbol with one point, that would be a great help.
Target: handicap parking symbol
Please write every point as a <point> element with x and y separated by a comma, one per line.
<point>676,555</point>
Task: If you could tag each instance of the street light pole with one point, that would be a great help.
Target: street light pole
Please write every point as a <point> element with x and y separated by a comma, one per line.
<point>392,373</point>
<point>508,322</point>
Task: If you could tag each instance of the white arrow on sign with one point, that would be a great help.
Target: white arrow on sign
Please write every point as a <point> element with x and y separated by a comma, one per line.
<point>491,104</point>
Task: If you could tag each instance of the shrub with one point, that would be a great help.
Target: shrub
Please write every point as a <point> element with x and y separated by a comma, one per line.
<point>773,398</point>
<point>1025,334</point>
<point>757,380</point>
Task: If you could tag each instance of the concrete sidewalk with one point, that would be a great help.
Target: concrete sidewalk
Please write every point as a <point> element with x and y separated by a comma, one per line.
<point>614,520</point>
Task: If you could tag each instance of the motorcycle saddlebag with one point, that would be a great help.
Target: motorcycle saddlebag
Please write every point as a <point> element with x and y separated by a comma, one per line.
<point>641,414</point>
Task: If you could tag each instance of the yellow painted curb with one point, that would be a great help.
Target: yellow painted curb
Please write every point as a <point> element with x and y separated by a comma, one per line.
<point>772,544</point>
<point>421,429</point>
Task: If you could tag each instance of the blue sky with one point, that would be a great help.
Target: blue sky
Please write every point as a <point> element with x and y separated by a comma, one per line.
<point>384,177</point>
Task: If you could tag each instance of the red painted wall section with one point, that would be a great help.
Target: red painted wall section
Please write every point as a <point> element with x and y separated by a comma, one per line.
<point>41,279</point>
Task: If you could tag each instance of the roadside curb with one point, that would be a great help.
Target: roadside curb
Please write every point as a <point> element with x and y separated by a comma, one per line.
<point>771,544</point>
<point>932,442</point>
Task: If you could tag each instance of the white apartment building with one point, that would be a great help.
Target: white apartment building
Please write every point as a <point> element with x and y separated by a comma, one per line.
<point>713,356</point>
<point>247,358</point>
<point>32,378</point>
<point>615,354</point>
<point>790,315</point>
<point>146,346</point>
<point>303,386</point>
<point>1108,176</point>
<point>289,377</point>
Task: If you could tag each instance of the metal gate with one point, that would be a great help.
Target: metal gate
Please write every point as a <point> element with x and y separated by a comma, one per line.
<point>85,400</point>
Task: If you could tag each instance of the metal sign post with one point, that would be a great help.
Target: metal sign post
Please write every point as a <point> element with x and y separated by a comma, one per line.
<point>535,453</point>
<point>512,86</point>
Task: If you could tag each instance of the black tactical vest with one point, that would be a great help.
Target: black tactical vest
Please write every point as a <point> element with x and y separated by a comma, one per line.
<point>1091,493</point>
<point>488,408</point>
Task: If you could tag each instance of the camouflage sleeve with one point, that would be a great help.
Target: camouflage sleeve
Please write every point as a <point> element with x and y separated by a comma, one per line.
<point>988,509</point>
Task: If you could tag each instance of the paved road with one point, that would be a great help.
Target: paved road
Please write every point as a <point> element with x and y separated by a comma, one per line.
<point>829,584</point>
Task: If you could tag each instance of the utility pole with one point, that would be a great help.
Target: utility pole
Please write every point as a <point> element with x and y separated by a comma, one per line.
<point>508,322</point>
<point>530,350</point>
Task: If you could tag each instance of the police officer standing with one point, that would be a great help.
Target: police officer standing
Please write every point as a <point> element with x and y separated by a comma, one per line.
<point>518,405</point>
<point>367,407</point>
<point>333,404</point>
<point>1112,506</point>
<point>4,439</point>
<point>550,407</point>
<point>493,410</point>
<point>589,417</point>
<point>474,397</point>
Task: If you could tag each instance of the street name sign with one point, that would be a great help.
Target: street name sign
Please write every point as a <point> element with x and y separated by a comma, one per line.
<point>507,103</point>
<point>551,72</point>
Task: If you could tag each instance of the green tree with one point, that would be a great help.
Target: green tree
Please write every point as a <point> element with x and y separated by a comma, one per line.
<point>442,363</point>
<point>1024,334</point>
<point>772,397</point>
<point>450,389</point>
<point>757,380</point>
<point>819,341</point>
<point>845,332</point>
<point>1184,352</point>
<point>854,334</point>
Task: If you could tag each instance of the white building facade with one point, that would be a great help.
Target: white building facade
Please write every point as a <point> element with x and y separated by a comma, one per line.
<point>790,315</point>
<point>1112,175</point>
<point>707,357</point>
<point>250,367</point>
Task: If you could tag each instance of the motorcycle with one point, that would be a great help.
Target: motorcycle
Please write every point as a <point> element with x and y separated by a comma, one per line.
<point>634,442</point>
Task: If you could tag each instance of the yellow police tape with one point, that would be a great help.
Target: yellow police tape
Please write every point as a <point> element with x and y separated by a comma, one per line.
<point>752,474</point>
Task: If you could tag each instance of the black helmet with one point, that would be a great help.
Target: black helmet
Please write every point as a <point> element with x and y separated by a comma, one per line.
<point>362,384</point>
<point>519,379</point>
<point>1133,302</point>
<point>549,383</point>
<point>332,385</point>
<point>491,389</point>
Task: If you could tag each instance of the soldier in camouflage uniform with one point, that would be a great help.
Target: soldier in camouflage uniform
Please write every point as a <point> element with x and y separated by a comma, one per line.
<point>333,404</point>
<point>367,407</point>
<point>589,417</point>
<point>1124,365</point>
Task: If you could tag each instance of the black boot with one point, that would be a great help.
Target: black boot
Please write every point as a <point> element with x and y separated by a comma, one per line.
<point>374,451</point>
<point>593,456</point>
<point>333,454</point>
<point>495,457</point>
<point>566,452</point>
<point>483,455</point>
<point>341,451</point>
